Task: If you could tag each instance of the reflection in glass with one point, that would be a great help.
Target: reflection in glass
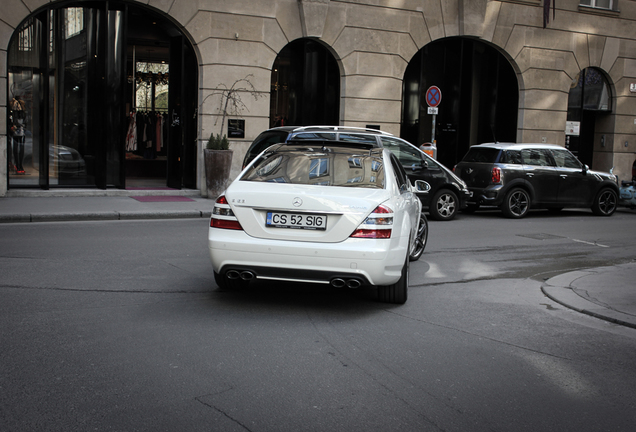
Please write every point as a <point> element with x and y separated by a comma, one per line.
<point>23,145</point>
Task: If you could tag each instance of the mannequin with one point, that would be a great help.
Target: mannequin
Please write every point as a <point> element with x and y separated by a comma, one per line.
<point>18,129</point>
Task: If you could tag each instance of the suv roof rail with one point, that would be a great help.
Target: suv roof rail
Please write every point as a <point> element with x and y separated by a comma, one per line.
<point>341,128</point>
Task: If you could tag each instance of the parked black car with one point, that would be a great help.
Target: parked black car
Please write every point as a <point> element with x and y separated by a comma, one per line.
<point>517,177</point>
<point>447,194</point>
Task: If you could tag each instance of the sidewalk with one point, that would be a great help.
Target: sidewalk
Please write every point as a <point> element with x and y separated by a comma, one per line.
<point>104,205</point>
<point>607,293</point>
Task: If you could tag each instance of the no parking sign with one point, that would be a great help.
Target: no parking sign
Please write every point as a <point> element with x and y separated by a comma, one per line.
<point>433,99</point>
<point>433,96</point>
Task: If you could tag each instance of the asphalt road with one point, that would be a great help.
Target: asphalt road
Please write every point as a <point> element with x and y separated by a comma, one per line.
<point>118,326</point>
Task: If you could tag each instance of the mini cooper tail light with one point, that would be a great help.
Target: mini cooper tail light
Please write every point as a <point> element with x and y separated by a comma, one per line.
<point>495,175</point>
<point>377,225</point>
<point>223,216</point>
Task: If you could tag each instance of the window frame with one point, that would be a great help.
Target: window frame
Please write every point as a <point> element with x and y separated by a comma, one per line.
<point>593,5</point>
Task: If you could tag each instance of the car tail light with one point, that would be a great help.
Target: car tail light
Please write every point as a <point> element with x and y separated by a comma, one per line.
<point>495,175</point>
<point>223,216</point>
<point>378,224</point>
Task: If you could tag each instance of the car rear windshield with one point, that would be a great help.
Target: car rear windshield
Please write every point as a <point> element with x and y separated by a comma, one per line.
<point>324,167</point>
<point>482,154</point>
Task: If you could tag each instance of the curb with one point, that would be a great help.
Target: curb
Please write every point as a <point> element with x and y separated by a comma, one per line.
<point>560,290</point>
<point>101,216</point>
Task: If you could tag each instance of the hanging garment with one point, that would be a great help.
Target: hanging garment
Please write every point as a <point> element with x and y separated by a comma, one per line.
<point>131,136</point>
<point>158,141</point>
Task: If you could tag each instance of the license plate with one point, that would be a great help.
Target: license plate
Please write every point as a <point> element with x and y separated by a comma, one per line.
<point>296,221</point>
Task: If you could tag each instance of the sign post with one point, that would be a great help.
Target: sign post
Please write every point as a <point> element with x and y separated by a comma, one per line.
<point>433,99</point>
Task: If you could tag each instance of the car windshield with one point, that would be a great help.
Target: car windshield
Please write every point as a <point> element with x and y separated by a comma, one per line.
<point>481,154</point>
<point>324,167</point>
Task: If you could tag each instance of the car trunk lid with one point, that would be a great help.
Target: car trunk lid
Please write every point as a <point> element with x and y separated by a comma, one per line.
<point>301,212</point>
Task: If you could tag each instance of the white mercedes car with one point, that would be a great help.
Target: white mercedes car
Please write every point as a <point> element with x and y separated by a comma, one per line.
<point>320,212</point>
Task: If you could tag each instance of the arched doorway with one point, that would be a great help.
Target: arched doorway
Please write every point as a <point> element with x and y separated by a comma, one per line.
<point>480,97</point>
<point>590,100</point>
<point>78,74</point>
<point>305,86</point>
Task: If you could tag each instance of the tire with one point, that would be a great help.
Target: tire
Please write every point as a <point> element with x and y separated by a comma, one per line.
<point>517,204</point>
<point>444,205</point>
<point>605,203</point>
<point>221,281</point>
<point>420,239</point>
<point>398,292</point>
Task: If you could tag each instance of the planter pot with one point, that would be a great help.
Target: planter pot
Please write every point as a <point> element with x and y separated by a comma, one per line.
<point>218,164</point>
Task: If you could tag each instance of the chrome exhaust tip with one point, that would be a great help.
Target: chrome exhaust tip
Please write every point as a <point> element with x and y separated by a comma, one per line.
<point>353,283</point>
<point>232,274</point>
<point>247,275</point>
<point>338,283</point>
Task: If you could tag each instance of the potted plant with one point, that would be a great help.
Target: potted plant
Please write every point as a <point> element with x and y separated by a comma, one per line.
<point>217,155</point>
<point>218,163</point>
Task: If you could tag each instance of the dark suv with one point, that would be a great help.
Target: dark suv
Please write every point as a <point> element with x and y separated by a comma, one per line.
<point>447,194</point>
<point>516,177</point>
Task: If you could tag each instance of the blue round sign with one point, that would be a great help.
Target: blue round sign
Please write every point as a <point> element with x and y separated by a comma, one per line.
<point>433,96</point>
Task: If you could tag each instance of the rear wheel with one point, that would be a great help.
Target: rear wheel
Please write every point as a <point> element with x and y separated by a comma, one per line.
<point>221,281</point>
<point>605,203</point>
<point>444,205</point>
<point>398,292</point>
<point>420,240</point>
<point>517,204</point>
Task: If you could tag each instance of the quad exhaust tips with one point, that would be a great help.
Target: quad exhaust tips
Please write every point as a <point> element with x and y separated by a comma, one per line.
<point>349,283</point>
<point>235,274</point>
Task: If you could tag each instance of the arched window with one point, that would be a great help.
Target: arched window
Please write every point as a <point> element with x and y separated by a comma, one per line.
<point>590,98</point>
<point>76,74</point>
<point>305,86</point>
<point>480,97</point>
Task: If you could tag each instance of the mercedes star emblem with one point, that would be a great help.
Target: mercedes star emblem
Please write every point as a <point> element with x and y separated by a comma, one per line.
<point>297,202</point>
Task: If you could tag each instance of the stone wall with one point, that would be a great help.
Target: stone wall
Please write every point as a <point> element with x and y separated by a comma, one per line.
<point>373,42</point>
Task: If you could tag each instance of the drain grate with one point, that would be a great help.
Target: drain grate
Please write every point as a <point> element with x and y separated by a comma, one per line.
<point>541,236</point>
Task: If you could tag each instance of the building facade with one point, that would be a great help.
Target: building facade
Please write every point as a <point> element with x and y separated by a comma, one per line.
<point>108,94</point>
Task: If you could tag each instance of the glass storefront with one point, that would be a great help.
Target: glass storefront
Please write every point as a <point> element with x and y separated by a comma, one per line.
<point>589,99</point>
<point>480,98</point>
<point>76,75</point>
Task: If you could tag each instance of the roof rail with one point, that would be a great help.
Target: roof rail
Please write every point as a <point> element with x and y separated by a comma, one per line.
<point>339,128</point>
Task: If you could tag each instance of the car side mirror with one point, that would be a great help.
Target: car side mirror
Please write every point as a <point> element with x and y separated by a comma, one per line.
<point>586,168</point>
<point>421,186</point>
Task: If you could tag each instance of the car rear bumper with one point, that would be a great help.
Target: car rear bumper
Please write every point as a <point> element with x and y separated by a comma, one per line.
<point>489,196</point>
<point>373,262</point>
<point>464,198</point>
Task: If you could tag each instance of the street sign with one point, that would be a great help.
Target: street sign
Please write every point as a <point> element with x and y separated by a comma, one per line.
<point>433,96</point>
<point>432,110</point>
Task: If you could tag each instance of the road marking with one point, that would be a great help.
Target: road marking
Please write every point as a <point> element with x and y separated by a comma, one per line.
<point>590,243</point>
